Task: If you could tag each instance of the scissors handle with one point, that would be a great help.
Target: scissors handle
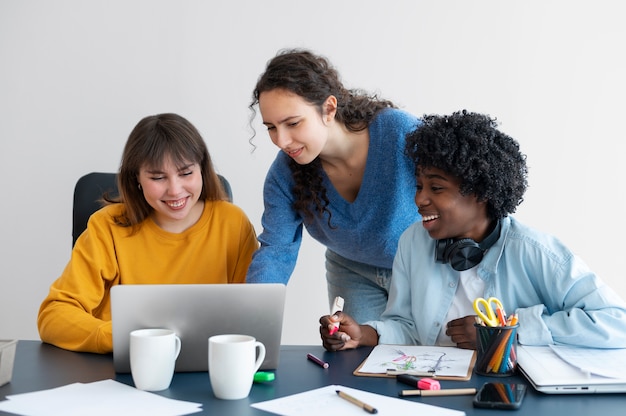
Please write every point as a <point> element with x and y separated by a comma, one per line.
<point>490,316</point>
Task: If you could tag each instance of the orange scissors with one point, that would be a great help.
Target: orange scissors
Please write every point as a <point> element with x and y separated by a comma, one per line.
<point>490,311</point>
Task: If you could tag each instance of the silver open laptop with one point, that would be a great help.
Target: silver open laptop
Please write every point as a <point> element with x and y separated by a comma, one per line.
<point>196,312</point>
<point>548,373</point>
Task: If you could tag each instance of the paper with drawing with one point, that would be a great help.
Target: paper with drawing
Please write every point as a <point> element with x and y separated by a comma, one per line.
<point>442,361</point>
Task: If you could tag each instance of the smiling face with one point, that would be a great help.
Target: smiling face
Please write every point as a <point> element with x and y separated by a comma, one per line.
<point>446,213</point>
<point>173,192</point>
<point>294,125</point>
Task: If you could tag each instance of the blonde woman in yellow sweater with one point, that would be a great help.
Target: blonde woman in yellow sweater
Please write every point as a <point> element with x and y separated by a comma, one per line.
<point>171,224</point>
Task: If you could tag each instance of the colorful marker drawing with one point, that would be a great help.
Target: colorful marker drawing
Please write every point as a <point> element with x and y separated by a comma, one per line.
<point>427,362</point>
<point>403,362</point>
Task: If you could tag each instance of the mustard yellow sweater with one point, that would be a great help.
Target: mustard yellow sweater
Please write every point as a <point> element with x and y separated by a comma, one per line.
<point>76,314</point>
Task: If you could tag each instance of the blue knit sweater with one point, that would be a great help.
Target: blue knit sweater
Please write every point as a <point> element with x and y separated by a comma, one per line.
<point>366,230</point>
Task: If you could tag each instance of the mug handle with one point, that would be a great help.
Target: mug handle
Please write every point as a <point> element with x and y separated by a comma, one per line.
<point>178,345</point>
<point>260,356</point>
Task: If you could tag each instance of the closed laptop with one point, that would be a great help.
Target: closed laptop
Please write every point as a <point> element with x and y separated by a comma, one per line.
<point>549,373</point>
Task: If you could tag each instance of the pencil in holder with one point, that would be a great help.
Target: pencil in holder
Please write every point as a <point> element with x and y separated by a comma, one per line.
<point>497,350</point>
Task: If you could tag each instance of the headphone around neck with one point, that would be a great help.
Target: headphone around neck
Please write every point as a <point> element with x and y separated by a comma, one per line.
<point>465,253</point>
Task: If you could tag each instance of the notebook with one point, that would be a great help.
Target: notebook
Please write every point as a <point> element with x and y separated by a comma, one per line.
<point>196,312</point>
<point>549,373</point>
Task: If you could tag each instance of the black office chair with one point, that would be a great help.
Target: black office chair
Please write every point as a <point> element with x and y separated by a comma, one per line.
<point>89,190</point>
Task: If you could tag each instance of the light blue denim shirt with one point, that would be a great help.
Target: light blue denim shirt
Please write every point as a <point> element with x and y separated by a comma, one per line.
<point>558,299</point>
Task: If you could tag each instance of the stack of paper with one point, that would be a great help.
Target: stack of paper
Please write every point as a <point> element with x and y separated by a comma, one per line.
<point>602,362</point>
<point>107,397</point>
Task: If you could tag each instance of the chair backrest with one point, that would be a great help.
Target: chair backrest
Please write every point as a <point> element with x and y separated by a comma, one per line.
<point>88,193</point>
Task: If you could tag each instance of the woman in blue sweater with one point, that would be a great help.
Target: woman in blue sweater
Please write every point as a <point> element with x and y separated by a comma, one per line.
<point>341,172</point>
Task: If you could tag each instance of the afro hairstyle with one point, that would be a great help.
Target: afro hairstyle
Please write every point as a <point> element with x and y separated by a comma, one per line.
<point>468,146</point>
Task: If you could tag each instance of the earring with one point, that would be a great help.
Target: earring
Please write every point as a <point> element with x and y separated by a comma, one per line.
<point>139,186</point>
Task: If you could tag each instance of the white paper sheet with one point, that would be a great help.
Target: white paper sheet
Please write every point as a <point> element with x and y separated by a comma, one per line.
<point>326,401</point>
<point>601,362</point>
<point>100,398</point>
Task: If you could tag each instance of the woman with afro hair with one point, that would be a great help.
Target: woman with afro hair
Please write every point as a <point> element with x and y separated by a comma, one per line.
<point>470,178</point>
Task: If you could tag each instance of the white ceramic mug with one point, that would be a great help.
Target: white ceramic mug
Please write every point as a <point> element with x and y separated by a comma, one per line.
<point>153,354</point>
<point>233,360</point>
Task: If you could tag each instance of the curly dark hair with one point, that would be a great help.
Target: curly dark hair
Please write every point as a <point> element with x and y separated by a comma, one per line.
<point>469,146</point>
<point>313,78</point>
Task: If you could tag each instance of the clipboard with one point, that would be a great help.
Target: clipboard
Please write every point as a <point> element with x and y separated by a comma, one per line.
<point>438,362</point>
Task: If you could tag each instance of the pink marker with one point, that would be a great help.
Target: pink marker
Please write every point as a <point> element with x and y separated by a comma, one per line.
<point>428,384</point>
<point>337,307</point>
<point>318,361</point>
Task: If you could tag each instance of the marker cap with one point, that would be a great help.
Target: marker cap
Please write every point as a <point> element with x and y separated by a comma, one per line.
<point>263,376</point>
<point>428,384</point>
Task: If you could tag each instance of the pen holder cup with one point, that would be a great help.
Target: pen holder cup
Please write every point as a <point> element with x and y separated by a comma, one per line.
<point>497,350</point>
<point>7,356</point>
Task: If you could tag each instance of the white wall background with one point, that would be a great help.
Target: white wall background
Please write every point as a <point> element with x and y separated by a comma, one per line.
<point>77,75</point>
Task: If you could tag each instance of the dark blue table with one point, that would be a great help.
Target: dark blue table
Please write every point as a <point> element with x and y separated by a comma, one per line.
<point>41,366</point>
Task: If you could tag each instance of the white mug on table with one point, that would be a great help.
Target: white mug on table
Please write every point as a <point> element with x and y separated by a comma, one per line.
<point>233,360</point>
<point>153,354</point>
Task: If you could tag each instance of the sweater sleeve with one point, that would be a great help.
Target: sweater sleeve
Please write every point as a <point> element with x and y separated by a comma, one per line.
<point>280,240</point>
<point>76,313</point>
